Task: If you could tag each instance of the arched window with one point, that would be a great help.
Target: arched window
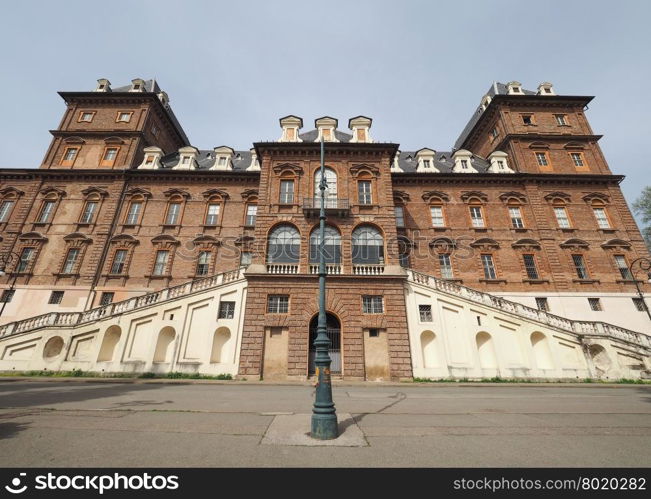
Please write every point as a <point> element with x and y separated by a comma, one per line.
<point>331,247</point>
<point>331,181</point>
<point>368,246</point>
<point>284,245</point>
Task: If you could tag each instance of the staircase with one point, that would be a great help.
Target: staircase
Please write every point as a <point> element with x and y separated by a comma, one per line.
<point>574,327</point>
<point>74,319</point>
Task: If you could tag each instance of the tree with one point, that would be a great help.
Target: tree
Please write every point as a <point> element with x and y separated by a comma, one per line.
<point>642,208</point>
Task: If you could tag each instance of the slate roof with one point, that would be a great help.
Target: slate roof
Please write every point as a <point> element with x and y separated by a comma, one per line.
<point>313,134</point>
<point>442,161</point>
<point>206,159</point>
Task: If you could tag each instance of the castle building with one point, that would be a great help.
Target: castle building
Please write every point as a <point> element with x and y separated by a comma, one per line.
<point>130,250</point>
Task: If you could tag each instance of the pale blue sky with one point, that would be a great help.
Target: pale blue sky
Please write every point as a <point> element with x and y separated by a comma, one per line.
<point>418,68</point>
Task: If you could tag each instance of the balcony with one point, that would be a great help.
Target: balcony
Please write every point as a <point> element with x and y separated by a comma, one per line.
<point>333,206</point>
<point>362,269</point>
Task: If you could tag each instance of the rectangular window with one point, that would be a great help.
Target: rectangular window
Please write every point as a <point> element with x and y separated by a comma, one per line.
<point>437,216</point>
<point>372,305</point>
<point>425,312</point>
<point>89,212</point>
<point>221,161</point>
<point>109,156</point>
<point>426,163</point>
<point>212,215</point>
<point>516,217</point>
<point>400,216</point>
<point>494,133</point>
<point>251,214</point>
<point>226,309</point>
<point>173,212</point>
<point>561,217</point>
<point>602,218</point>
<point>5,209</point>
<point>55,298</point>
<point>622,266</point>
<point>527,119</point>
<point>245,258</point>
<point>69,156</point>
<point>464,164</point>
<point>541,158</point>
<point>203,263</point>
<point>86,116</point>
<point>364,192</point>
<point>560,119</point>
<point>489,267</point>
<point>579,266</point>
<point>124,117</point>
<point>71,261</point>
<point>134,213</point>
<point>286,191</point>
<point>577,159</point>
<point>119,261</point>
<point>446,266</point>
<point>26,257</point>
<point>277,304</point>
<point>160,266</point>
<point>530,266</point>
<point>373,333</point>
<point>639,304</point>
<point>476,216</point>
<point>542,304</point>
<point>361,135</point>
<point>106,299</point>
<point>595,304</point>
<point>7,295</point>
<point>403,259</point>
<point>46,212</point>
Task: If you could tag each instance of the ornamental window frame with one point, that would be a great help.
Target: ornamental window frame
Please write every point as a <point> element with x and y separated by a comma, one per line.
<point>121,242</point>
<point>8,195</point>
<point>119,115</point>
<point>104,162</point>
<point>69,162</point>
<point>83,113</point>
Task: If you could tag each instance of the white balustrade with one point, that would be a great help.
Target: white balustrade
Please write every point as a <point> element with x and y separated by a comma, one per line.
<point>282,268</point>
<point>368,269</point>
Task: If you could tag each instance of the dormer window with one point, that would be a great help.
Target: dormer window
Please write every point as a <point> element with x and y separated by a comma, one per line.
<point>426,163</point>
<point>291,125</point>
<point>361,135</point>
<point>514,87</point>
<point>222,161</point>
<point>500,164</point>
<point>464,164</point>
<point>291,134</point>
<point>516,90</point>
<point>103,85</point>
<point>185,160</point>
<point>327,135</point>
<point>137,85</point>
<point>149,159</point>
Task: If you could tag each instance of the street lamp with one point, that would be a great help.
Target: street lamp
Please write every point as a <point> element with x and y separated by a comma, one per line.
<point>5,260</point>
<point>324,415</point>
<point>644,264</point>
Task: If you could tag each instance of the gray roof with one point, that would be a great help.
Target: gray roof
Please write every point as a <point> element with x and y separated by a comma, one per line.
<point>206,159</point>
<point>313,134</point>
<point>442,161</point>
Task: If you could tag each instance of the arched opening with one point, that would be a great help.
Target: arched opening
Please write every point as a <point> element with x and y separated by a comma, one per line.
<point>284,245</point>
<point>368,246</point>
<point>163,351</point>
<point>110,341</point>
<point>541,351</point>
<point>600,359</point>
<point>487,358</point>
<point>334,335</point>
<point>331,185</point>
<point>220,339</point>
<point>53,347</point>
<point>331,246</point>
<point>429,349</point>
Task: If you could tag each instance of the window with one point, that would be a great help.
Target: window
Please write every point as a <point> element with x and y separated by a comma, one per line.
<point>149,159</point>
<point>7,295</point>
<point>577,159</point>
<point>69,156</point>
<point>119,260</point>
<point>425,312</point>
<point>372,305</point>
<point>109,156</point>
<point>331,184</point>
<point>133,214</point>
<point>160,265</point>
<point>446,266</point>
<point>55,298</point>
<point>595,304</point>
<point>212,214</point>
<point>251,214</point>
<point>226,309</point>
<point>277,304</point>
<point>124,117</point>
<point>602,218</point>
<point>46,211</point>
<point>579,266</point>
<point>464,164</point>
<point>221,161</point>
<point>494,133</point>
<point>364,192</point>
<point>640,305</point>
<point>5,210</point>
<point>476,216</point>
<point>155,131</point>
<point>403,260</point>
<point>561,217</point>
<point>561,119</point>
<point>106,299</point>
<point>284,245</point>
<point>500,164</point>
<point>373,333</point>
<point>489,267</point>
<point>530,266</point>
<point>71,261</point>
<point>86,116</point>
<point>286,191</point>
<point>542,159</point>
<point>426,163</point>
<point>26,257</point>
<point>203,263</point>
<point>542,304</point>
<point>527,119</point>
<point>437,216</point>
<point>516,217</point>
<point>185,160</point>
<point>245,258</point>
<point>368,246</point>
<point>400,216</point>
<point>622,266</point>
<point>331,246</point>
<point>89,212</point>
<point>361,135</point>
<point>173,212</point>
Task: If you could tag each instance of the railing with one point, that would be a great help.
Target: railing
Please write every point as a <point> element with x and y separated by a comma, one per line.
<point>368,269</point>
<point>78,318</point>
<point>331,268</point>
<point>328,204</point>
<point>282,268</point>
<point>549,319</point>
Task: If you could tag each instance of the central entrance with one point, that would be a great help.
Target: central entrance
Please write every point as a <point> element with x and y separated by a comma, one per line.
<point>334,335</point>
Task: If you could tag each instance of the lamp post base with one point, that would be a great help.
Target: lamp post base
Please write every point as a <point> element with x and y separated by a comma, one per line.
<point>324,426</point>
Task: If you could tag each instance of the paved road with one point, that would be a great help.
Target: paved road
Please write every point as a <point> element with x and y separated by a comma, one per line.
<point>65,424</point>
